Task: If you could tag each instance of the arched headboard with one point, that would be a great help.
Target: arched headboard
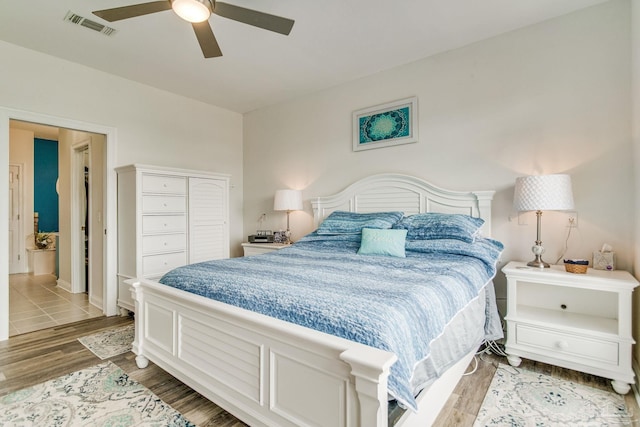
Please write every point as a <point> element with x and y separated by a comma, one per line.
<point>408,194</point>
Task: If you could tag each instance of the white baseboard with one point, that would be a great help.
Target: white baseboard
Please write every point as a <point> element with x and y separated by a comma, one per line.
<point>64,285</point>
<point>96,302</point>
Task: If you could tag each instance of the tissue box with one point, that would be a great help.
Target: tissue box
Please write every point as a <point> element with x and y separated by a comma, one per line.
<point>604,260</point>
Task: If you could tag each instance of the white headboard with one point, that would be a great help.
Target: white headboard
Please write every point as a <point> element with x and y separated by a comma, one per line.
<point>408,194</point>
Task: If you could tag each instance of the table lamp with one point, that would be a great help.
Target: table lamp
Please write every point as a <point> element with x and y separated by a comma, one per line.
<point>542,193</point>
<point>287,200</point>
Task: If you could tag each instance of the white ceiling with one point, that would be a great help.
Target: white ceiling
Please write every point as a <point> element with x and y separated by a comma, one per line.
<point>332,42</point>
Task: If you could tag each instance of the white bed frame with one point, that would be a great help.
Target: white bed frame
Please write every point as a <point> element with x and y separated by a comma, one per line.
<point>269,372</point>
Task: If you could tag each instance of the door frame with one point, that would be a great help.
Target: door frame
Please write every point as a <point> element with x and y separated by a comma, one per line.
<point>110,307</point>
<point>79,282</point>
<point>22,264</point>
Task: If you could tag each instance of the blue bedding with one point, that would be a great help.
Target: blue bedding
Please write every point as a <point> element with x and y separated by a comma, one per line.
<point>396,304</point>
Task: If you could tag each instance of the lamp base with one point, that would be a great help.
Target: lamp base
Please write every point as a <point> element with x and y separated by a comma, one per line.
<point>538,263</point>
<point>538,250</point>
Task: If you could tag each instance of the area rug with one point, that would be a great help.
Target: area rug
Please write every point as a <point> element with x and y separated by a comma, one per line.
<point>102,395</point>
<point>518,397</point>
<point>109,343</point>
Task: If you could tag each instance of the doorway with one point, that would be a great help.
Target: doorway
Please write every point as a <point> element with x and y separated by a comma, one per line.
<point>107,224</point>
<point>82,261</point>
<point>53,155</point>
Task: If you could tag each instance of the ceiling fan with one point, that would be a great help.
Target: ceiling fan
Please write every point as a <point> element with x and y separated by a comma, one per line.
<point>198,12</point>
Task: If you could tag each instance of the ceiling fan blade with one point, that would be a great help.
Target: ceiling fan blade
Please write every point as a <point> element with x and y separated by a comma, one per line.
<point>253,17</point>
<point>207,40</point>
<point>118,13</point>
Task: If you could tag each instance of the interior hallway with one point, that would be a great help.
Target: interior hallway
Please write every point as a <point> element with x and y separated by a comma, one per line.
<point>35,302</point>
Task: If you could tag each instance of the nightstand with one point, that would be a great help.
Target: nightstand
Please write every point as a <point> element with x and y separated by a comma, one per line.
<point>576,321</point>
<point>261,248</point>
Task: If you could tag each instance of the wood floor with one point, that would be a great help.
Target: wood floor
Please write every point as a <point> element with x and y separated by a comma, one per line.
<point>39,356</point>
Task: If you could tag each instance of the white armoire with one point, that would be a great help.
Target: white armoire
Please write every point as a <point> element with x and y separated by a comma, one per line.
<point>168,218</point>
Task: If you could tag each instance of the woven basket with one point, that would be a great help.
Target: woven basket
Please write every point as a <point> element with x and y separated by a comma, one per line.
<point>576,268</point>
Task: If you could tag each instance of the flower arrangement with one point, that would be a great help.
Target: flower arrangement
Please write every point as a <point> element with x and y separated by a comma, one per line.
<point>43,240</point>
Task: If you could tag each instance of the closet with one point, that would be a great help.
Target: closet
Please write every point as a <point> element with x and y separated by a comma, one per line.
<point>168,218</point>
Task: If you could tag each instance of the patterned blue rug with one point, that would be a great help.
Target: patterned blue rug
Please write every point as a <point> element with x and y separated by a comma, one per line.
<point>110,343</point>
<point>521,398</point>
<point>102,395</point>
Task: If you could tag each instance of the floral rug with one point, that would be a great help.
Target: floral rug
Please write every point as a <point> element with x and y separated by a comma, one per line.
<point>521,398</point>
<point>110,343</point>
<point>102,395</point>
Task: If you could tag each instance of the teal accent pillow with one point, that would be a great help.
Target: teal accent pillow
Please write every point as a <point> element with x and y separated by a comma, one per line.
<point>382,242</point>
<point>342,222</point>
<point>429,226</point>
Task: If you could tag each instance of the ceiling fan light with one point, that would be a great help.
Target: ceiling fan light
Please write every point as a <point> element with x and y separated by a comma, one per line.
<point>192,10</point>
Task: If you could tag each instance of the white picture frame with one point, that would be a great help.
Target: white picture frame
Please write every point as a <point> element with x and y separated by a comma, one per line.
<point>386,125</point>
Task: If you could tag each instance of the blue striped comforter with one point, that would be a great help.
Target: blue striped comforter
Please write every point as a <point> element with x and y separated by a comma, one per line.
<point>395,304</point>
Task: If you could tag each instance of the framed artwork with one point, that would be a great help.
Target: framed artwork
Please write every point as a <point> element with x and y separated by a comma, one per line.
<point>385,125</point>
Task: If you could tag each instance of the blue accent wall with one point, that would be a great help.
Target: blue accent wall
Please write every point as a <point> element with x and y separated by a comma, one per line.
<point>45,175</point>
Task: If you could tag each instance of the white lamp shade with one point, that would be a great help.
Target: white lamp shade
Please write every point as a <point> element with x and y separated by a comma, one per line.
<point>192,10</point>
<point>287,200</point>
<point>543,193</point>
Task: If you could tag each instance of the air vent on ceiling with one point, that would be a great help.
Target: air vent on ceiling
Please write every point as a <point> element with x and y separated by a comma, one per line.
<point>87,23</point>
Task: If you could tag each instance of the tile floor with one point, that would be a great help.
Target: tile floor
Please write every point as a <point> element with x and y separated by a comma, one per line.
<point>36,302</point>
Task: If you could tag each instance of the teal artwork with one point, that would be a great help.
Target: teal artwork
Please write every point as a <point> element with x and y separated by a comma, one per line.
<point>393,123</point>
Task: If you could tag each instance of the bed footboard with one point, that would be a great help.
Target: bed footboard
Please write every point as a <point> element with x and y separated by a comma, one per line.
<point>262,370</point>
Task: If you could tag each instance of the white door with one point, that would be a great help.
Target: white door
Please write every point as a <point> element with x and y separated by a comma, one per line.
<point>16,261</point>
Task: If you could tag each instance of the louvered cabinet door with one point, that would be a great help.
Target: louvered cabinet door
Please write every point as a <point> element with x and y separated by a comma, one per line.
<point>208,219</point>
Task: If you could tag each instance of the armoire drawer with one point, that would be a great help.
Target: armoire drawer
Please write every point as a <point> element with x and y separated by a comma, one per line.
<point>164,243</point>
<point>163,204</point>
<point>164,184</point>
<point>152,224</point>
<point>160,264</point>
<point>569,346</point>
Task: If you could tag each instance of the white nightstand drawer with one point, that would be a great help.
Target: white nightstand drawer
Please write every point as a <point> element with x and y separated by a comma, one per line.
<point>163,224</point>
<point>163,204</point>
<point>164,184</point>
<point>160,264</point>
<point>568,346</point>
<point>164,243</point>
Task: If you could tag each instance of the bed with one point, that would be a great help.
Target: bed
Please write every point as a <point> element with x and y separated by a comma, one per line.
<point>268,371</point>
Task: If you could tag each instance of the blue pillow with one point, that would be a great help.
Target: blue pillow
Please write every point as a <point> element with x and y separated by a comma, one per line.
<point>341,222</point>
<point>429,226</point>
<point>382,242</point>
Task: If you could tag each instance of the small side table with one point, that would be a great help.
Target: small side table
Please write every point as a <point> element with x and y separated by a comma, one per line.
<point>576,321</point>
<point>261,248</point>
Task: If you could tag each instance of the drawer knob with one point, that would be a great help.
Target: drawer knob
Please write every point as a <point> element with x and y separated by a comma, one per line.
<point>164,204</point>
<point>562,345</point>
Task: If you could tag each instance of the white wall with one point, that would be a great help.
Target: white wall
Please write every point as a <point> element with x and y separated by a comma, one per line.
<point>151,126</point>
<point>635,69</point>
<point>550,98</point>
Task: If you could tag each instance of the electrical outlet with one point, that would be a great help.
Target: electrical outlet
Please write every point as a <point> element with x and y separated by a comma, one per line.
<point>571,219</point>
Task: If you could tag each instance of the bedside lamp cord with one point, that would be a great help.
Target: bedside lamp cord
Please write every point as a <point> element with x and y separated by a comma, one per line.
<point>566,242</point>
